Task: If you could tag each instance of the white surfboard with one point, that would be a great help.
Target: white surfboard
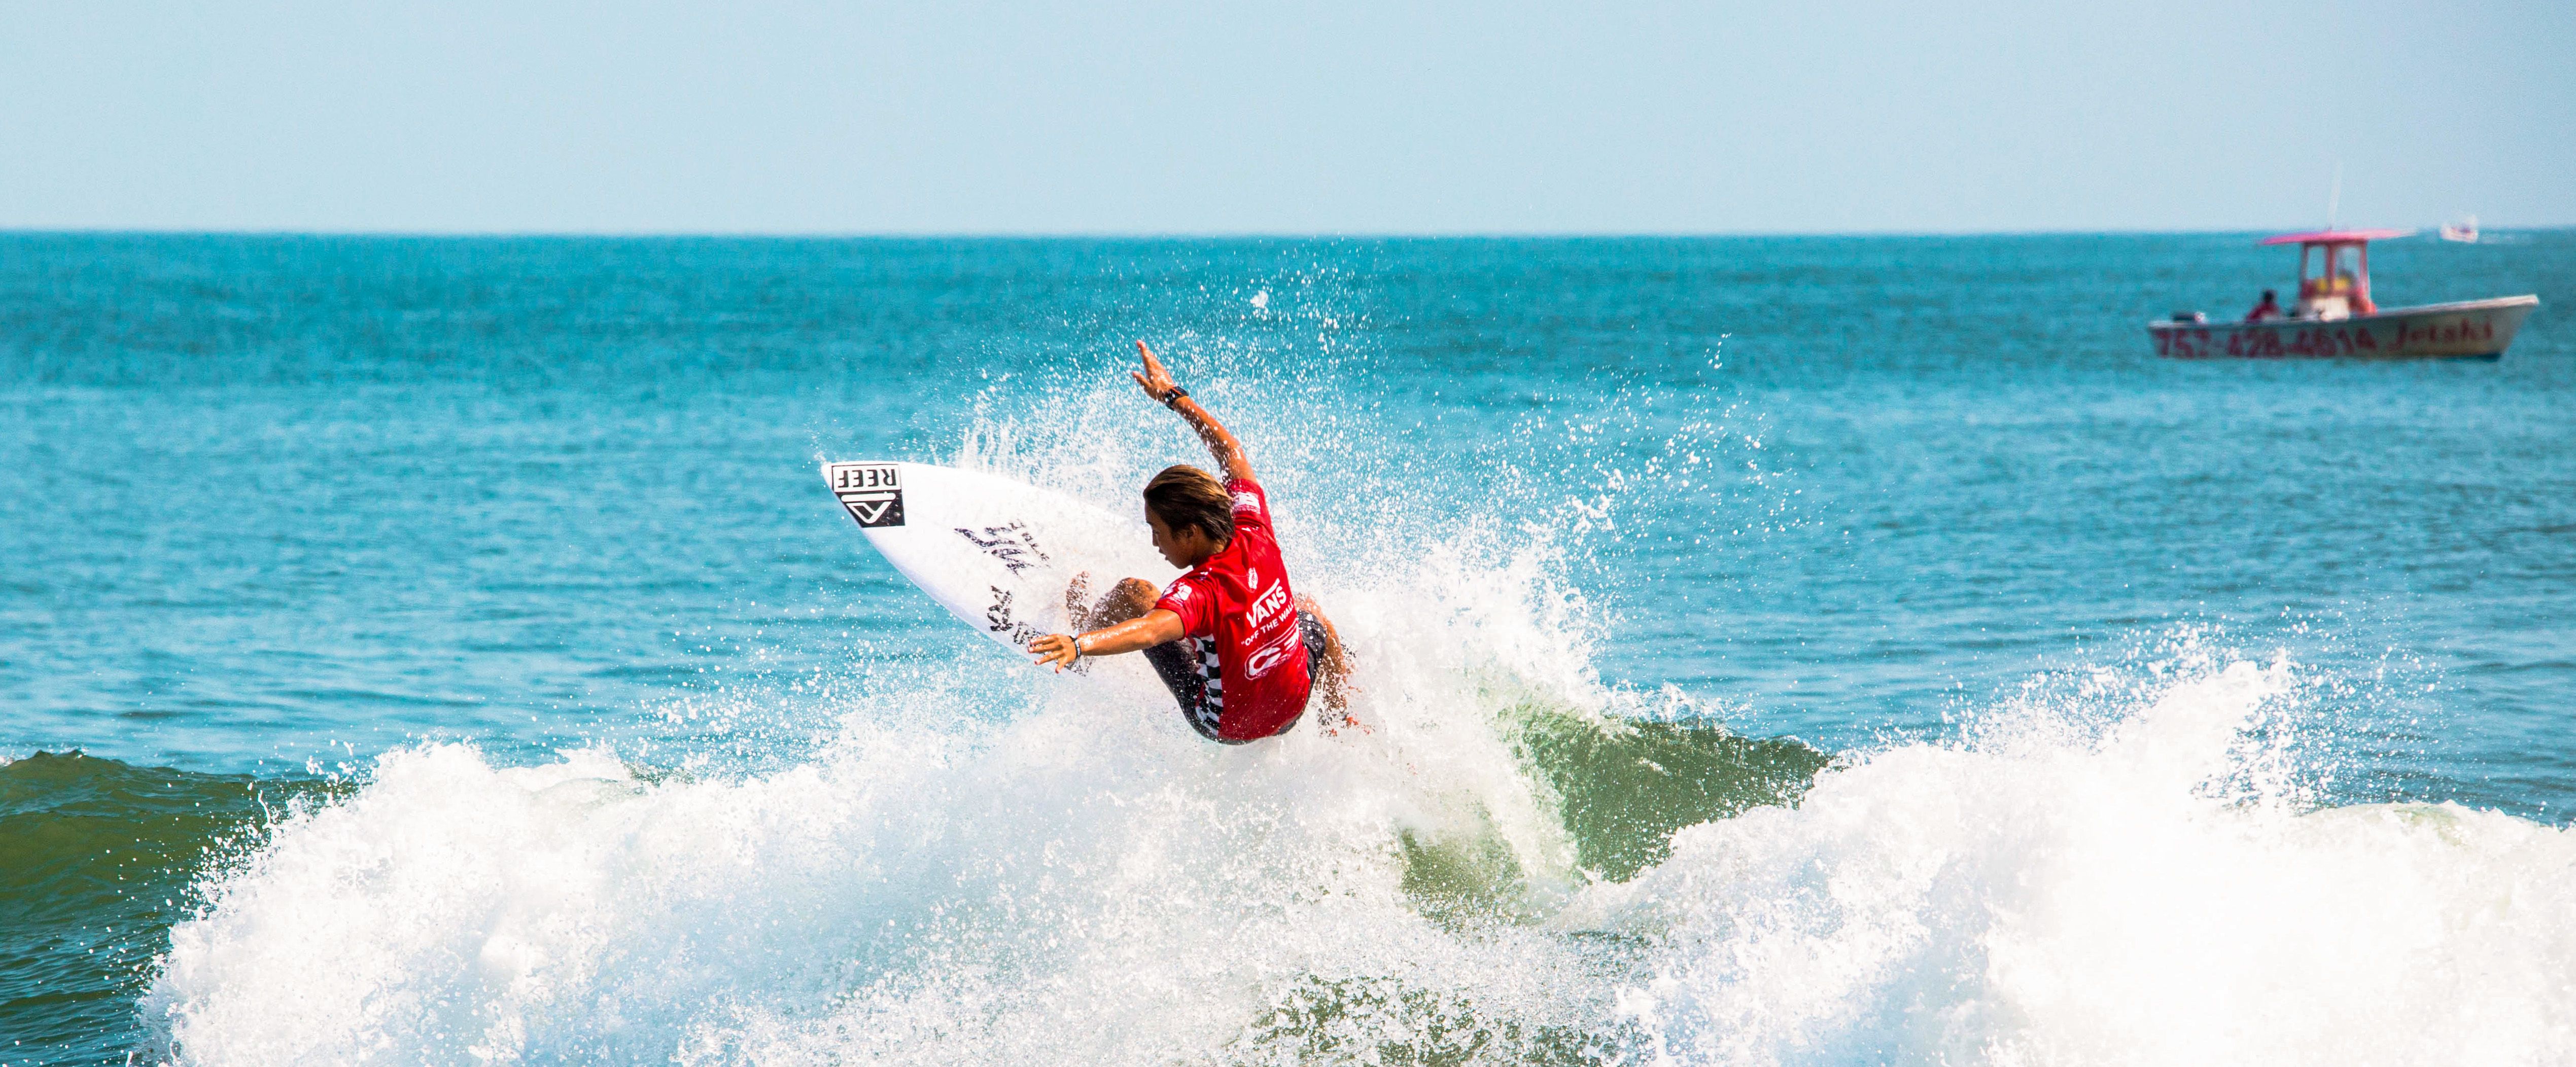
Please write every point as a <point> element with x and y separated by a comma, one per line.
<point>997,553</point>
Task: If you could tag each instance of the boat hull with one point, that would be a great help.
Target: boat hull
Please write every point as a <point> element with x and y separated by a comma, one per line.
<point>2469,329</point>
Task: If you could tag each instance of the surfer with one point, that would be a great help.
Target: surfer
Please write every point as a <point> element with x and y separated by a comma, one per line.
<point>1239,650</point>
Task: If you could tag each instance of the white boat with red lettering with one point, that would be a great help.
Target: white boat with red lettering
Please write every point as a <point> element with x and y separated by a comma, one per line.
<point>2335,316</point>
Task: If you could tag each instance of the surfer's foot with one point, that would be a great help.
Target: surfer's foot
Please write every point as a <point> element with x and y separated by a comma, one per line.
<point>1076,594</point>
<point>1129,599</point>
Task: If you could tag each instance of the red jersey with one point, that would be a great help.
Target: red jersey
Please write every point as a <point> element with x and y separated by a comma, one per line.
<point>1237,605</point>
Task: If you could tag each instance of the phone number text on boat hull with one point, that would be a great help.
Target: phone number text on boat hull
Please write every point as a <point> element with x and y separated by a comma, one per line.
<point>2457,337</point>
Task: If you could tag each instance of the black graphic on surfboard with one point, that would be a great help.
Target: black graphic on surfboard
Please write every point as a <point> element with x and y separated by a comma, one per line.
<point>1010,544</point>
<point>997,618</point>
<point>872,491</point>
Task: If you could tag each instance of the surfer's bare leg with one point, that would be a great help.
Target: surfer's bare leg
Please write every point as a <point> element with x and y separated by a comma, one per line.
<point>1335,681</point>
<point>1131,598</point>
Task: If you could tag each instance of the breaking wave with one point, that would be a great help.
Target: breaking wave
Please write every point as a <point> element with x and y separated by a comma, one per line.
<point>1515,863</point>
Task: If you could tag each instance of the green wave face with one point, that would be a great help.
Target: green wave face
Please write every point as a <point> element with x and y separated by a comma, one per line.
<point>1621,788</point>
<point>96,858</point>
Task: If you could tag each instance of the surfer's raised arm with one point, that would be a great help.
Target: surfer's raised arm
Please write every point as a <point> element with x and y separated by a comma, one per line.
<point>1158,384</point>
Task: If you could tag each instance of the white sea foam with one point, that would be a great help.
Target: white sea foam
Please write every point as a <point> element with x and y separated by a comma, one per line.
<point>1087,885</point>
<point>1061,872</point>
<point>2150,894</point>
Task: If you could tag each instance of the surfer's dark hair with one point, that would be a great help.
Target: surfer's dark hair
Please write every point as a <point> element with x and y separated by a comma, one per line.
<point>1184,496</point>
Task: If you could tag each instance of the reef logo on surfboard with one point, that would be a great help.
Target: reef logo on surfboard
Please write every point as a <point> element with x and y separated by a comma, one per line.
<point>872,491</point>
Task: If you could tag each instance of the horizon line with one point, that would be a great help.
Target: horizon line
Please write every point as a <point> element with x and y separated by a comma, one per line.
<point>1166,235</point>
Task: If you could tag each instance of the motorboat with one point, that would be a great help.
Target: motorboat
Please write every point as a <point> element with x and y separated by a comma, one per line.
<point>2335,317</point>
<point>2464,231</point>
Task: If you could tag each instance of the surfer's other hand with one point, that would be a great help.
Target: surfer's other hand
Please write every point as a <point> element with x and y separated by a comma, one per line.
<point>1054,650</point>
<point>1156,381</point>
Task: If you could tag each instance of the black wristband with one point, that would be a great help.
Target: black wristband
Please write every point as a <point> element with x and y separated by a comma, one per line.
<point>1174,397</point>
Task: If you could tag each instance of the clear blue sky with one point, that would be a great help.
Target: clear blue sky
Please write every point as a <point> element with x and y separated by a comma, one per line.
<point>1212,117</point>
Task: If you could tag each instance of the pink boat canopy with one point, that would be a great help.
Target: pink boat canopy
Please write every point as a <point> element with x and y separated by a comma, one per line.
<point>2334,237</point>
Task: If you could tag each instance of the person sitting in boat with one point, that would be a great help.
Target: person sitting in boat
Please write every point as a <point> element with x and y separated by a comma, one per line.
<point>2267,310</point>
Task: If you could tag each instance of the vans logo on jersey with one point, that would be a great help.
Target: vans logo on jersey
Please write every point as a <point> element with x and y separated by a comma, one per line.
<point>1247,502</point>
<point>1268,605</point>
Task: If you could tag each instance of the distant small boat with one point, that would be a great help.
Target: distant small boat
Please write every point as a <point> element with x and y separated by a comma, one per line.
<point>2464,231</point>
<point>2335,316</point>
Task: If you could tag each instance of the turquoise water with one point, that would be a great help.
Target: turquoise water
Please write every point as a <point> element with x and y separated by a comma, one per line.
<point>466,659</point>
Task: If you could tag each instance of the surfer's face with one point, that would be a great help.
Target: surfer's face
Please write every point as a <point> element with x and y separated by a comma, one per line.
<point>1186,549</point>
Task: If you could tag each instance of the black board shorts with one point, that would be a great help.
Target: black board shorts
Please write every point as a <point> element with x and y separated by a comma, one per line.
<point>1188,667</point>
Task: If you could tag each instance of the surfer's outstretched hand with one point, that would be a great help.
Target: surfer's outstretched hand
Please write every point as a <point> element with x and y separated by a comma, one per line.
<point>1156,381</point>
<point>1054,650</point>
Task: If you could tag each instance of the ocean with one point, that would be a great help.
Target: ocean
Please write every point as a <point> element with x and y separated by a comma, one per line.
<point>1777,651</point>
